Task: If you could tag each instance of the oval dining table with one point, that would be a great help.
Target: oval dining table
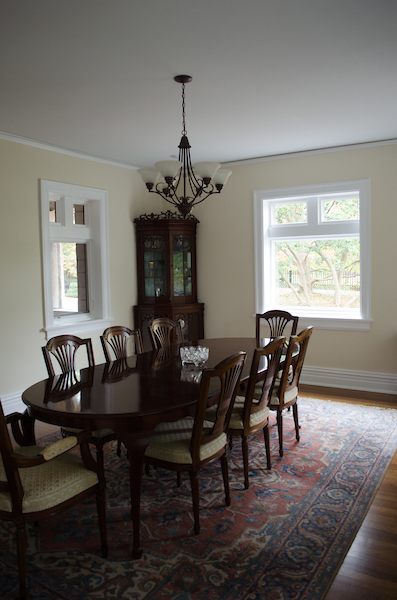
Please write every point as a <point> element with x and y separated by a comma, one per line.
<point>131,396</point>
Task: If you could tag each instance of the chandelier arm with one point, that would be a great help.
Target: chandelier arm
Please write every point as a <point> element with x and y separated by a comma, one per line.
<point>205,197</point>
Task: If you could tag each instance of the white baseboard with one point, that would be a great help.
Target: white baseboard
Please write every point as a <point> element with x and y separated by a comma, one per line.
<point>364,381</point>
<point>13,403</point>
<point>384,383</point>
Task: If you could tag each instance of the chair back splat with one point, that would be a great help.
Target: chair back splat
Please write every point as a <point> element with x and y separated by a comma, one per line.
<point>228,373</point>
<point>277,321</point>
<point>165,332</point>
<point>114,339</point>
<point>64,349</point>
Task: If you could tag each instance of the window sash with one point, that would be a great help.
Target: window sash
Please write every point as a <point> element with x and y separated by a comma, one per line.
<point>265,232</point>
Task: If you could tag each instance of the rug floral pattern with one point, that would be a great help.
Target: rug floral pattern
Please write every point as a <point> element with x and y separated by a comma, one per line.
<point>284,538</point>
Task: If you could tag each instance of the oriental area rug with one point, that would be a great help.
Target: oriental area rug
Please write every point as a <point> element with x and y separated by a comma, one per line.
<point>284,538</point>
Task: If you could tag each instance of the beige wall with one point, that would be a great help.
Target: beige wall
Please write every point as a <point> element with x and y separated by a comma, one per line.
<point>21,297</point>
<point>226,253</point>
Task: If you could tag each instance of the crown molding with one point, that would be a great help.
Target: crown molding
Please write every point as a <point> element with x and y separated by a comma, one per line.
<point>246,161</point>
<point>27,142</point>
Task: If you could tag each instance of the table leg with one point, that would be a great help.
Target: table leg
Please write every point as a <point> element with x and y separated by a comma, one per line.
<point>136,446</point>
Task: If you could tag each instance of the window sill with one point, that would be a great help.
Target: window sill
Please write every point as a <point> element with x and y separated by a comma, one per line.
<point>340,324</point>
<point>77,328</point>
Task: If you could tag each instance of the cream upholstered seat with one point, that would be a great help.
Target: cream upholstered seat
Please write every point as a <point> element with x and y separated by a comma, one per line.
<point>251,412</point>
<point>172,442</point>
<point>36,482</point>
<point>285,392</point>
<point>190,444</point>
<point>64,348</point>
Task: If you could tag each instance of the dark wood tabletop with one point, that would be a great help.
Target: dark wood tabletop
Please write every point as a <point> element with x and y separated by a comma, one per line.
<point>130,397</point>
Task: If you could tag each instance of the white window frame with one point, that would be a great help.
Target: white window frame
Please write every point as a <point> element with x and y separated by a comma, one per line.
<point>95,234</point>
<point>320,318</point>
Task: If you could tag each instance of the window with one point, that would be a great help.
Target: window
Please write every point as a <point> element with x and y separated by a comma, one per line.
<point>312,253</point>
<point>75,258</point>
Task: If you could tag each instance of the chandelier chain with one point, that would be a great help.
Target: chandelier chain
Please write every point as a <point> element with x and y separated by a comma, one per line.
<point>184,132</point>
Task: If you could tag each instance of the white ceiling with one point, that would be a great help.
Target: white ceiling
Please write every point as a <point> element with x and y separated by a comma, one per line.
<point>269,76</point>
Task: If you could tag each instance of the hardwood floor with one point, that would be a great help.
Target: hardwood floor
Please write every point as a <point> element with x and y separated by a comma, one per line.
<point>369,571</point>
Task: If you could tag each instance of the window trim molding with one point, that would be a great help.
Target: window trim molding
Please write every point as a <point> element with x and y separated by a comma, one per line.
<point>324,319</point>
<point>99,279</point>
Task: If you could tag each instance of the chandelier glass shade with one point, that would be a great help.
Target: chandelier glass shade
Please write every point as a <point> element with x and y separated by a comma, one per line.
<point>178,181</point>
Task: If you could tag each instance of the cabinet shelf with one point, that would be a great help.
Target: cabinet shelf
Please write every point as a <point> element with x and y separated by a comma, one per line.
<point>167,275</point>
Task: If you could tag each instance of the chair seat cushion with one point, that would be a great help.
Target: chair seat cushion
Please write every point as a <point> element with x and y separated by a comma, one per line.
<point>288,397</point>
<point>96,434</point>
<point>171,442</point>
<point>49,484</point>
<point>236,419</point>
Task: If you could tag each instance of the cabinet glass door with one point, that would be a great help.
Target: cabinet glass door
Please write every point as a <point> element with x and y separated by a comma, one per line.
<point>154,266</point>
<point>182,264</point>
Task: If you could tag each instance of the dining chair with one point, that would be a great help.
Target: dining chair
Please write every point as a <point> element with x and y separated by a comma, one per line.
<point>285,391</point>
<point>192,443</point>
<point>277,321</point>
<point>115,339</point>
<point>250,413</point>
<point>37,482</point>
<point>165,332</point>
<point>64,349</point>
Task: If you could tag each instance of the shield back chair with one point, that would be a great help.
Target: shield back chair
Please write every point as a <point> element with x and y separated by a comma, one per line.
<point>64,349</point>
<point>115,339</point>
<point>285,391</point>
<point>192,443</point>
<point>37,482</point>
<point>277,321</point>
<point>114,342</point>
<point>165,332</point>
<point>251,412</point>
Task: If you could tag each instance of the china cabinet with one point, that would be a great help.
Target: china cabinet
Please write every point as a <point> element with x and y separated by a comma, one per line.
<point>167,275</point>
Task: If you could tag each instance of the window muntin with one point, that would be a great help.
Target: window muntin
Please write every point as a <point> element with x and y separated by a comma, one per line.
<point>338,218</point>
<point>75,251</point>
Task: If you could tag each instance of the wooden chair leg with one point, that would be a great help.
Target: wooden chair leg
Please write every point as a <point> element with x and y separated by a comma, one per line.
<point>194,482</point>
<point>244,448</point>
<point>21,553</point>
<point>101,506</point>
<point>267,446</point>
<point>296,421</point>
<point>99,456</point>
<point>280,431</point>
<point>225,475</point>
<point>118,451</point>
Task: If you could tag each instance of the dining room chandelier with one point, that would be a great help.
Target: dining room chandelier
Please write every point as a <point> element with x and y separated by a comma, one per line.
<point>178,181</point>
